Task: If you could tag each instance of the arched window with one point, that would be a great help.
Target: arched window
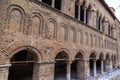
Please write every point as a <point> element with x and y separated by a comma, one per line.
<point>76,11</point>
<point>98,22</point>
<point>58,4</point>
<point>103,24</point>
<point>60,72</point>
<point>23,66</point>
<point>82,13</point>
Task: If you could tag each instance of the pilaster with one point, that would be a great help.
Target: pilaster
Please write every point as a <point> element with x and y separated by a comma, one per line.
<point>44,71</point>
<point>4,71</point>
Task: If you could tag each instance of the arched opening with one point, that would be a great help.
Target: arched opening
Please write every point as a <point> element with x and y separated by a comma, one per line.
<point>76,10</point>
<point>92,64</point>
<point>77,68</point>
<point>98,21</point>
<point>22,66</point>
<point>108,62</point>
<point>61,66</point>
<point>99,64</point>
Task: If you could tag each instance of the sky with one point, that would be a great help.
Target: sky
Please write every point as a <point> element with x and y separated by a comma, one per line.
<point>116,5</point>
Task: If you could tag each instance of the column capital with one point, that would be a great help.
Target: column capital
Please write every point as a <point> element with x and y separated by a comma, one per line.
<point>102,59</point>
<point>46,62</point>
<point>94,60</point>
<point>5,65</point>
<point>69,62</point>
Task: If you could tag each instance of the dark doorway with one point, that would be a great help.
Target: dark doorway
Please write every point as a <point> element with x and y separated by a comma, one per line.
<point>61,66</point>
<point>74,71</point>
<point>60,70</point>
<point>82,13</point>
<point>98,63</point>
<point>91,68</point>
<point>91,64</point>
<point>22,66</point>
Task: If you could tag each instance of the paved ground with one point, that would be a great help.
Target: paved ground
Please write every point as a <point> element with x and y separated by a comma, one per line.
<point>107,76</point>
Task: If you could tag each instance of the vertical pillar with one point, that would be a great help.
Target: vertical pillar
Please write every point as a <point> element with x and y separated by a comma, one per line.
<point>101,25</point>
<point>43,71</point>
<point>114,33</point>
<point>87,69</point>
<point>53,3</point>
<point>106,27</point>
<point>79,12</point>
<point>94,67</point>
<point>85,14</point>
<point>93,19</point>
<point>108,65</point>
<point>80,70</point>
<point>4,71</point>
<point>68,70</point>
<point>89,17</point>
<point>102,67</point>
<point>116,63</point>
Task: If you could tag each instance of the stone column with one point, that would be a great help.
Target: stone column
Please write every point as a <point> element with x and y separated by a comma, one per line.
<point>116,65</point>
<point>93,18</point>
<point>79,12</point>
<point>43,71</point>
<point>102,67</point>
<point>108,65</point>
<point>80,70</point>
<point>53,3</point>
<point>87,69</point>
<point>94,67</point>
<point>101,26</point>
<point>85,14</point>
<point>114,33</point>
<point>106,27</point>
<point>4,71</point>
<point>68,70</point>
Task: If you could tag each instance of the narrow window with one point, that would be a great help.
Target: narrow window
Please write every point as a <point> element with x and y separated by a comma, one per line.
<point>109,30</point>
<point>58,4</point>
<point>99,24</point>
<point>87,16</point>
<point>49,2</point>
<point>103,26</point>
<point>82,14</point>
<point>76,11</point>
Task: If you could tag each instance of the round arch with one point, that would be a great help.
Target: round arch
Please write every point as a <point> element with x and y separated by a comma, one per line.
<point>62,59</point>
<point>31,49</point>
<point>101,56</point>
<point>80,54</point>
<point>77,70</point>
<point>68,54</point>
<point>108,56</point>
<point>93,55</point>
<point>92,63</point>
<point>23,63</point>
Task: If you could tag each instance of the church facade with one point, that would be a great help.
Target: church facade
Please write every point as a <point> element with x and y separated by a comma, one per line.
<point>58,40</point>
